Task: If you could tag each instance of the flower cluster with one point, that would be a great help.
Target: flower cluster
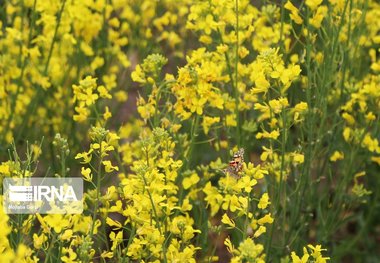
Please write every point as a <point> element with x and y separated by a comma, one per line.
<point>310,254</point>
<point>147,101</point>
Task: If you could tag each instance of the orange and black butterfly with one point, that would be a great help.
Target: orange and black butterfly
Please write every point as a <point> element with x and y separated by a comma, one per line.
<point>235,166</point>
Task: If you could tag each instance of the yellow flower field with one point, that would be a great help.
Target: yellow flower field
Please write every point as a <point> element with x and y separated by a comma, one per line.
<point>203,130</point>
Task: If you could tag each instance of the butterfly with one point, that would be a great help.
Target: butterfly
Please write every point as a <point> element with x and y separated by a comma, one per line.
<point>235,166</point>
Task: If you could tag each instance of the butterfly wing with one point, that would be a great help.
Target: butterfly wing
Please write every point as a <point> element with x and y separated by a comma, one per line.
<point>235,166</point>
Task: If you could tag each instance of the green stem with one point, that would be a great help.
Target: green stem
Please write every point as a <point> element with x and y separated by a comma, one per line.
<point>35,100</point>
<point>96,202</point>
<point>236,89</point>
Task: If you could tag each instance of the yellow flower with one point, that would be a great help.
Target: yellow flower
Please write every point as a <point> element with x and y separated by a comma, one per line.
<point>262,85</point>
<point>231,120</point>
<point>97,63</point>
<point>38,241</point>
<point>294,13</point>
<point>298,158</point>
<point>376,159</point>
<point>67,234</point>
<point>228,221</point>
<point>264,201</point>
<point>269,135</point>
<point>4,169</point>
<point>71,255</point>
<point>316,253</point>
<point>86,174</point>
<point>297,259</point>
<point>109,167</point>
<point>267,219</point>
<point>370,116</point>
<point>251,252</point>
<point>121,96</point>
<point>103,92</point>
<point>113,223</point>
<point>229,245</point>
<point>349,119</point>
<point>243,52</point>
<point>347,134</point>
<point>118,207</point>
<point>266,153</point>
<point>372,144</point>
<point>301,107</point>
<point>222,48</point>
<point>336,156</point>
<point>87,156</point>
<point>45,227</point>
<point>313,4</point>
<point>190,181</point>
<point>106,254</point>
<point>86,48</point>
<point>208,121</point>
<point>116,239</point>
<point>359,190</point>
<point>107,114</point>
<point>57,221</point>
<point>260,231</point>
<point>138,75</point>
<point>224,144</point>
<point>82,115</point>
<point>197,105</point>
<point>316,20</point>
<point>36,151</point>
<point>213,197</point>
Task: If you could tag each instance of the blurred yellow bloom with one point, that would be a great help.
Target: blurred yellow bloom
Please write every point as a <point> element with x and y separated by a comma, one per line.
<point>231,120</point>
<point>190,181</point>
<point>301,107</point>
<point>138,75</point>
<point>262,85</point>
<point>336,156</point>
<point>207,122</point>
<point>4,169</point>
<point>298,158</point>
<point>376,159</point>
<point>316,20</point>
<point>347,133</point>
<point>67,234</point>
<point>107,114</point>
<point>294,13</point>
<point>372,144</point>
<point>57,221</point>
<point>260,231</point>
<point>269,135</point>
<point>313,4</point>
<point>103,92</point>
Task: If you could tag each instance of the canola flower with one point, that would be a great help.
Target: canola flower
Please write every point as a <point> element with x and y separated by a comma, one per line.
<point>147,101</point>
